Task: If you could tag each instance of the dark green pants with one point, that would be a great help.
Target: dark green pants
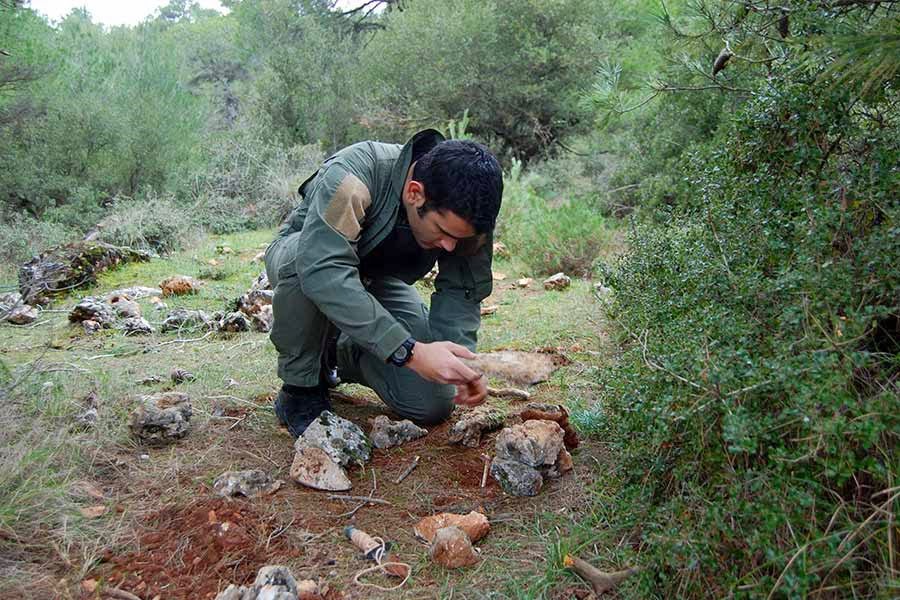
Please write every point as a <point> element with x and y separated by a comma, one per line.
<point>299,331</point>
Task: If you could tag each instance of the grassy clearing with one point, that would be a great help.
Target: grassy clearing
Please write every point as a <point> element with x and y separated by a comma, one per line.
<point>47,546</point>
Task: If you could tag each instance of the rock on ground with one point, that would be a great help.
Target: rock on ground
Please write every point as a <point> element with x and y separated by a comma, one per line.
<point>552,412</point>
<point>245,483</point>
<point>64,268</point>
<point>524,282</point>
<point>533,443</point>
<point>474,422</point>
<point>387,434</point>
<point>93,309</point>
<point>515,478</point>
<point>183,319</point>
<point>263,319</point>
<point>14,310</point>
<point>124,306</point>
<point>136,326</point>
<point>273,582</point>
<point>313,468</point>
<point>234,322</point>
<point>559,281</point>
<point>90,327</point>
<point>500,250</point>
<point>452,548</point>
<point>521,368</point>
<point>135,293</point>
<point>179,285</point>
<point>180,376</point>
<point>474,524</point>
<point>162,418</point>
<point>343,441</point>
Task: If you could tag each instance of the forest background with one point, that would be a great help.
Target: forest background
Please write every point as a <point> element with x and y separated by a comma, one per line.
<point>748,151</point>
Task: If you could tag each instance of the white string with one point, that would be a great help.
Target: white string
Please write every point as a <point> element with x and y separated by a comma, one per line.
<point>379,555</point>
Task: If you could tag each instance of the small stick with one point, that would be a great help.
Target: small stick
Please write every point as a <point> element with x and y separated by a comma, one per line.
<point>487,465</point>
<point>368,499</point>
<point>600,581</point>
<point>513,393</point>
<point>119,594</point>
<point>408,470</point>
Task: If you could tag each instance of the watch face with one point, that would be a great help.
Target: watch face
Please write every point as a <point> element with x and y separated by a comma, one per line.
<point>401,353</point>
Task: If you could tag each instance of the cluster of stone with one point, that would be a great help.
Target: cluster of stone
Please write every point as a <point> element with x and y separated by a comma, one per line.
<point>451,537</point>
<point>528,453</point>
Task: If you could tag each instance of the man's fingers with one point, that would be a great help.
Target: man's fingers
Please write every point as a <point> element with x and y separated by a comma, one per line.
<point>460,351</point>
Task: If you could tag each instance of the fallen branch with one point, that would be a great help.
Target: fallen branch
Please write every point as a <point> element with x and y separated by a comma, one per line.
<point>600,581</point>
<point>513,393</point>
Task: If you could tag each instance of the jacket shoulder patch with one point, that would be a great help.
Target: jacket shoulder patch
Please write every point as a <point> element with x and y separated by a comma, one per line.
<point>347,207</point>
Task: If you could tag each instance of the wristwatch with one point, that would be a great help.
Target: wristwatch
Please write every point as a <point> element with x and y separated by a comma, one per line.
<point>402,354</point>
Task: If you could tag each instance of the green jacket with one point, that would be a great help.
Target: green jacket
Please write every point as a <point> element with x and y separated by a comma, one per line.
<point>350,205</point>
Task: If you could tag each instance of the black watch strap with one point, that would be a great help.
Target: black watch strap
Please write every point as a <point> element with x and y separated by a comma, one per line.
<point>402,354</point>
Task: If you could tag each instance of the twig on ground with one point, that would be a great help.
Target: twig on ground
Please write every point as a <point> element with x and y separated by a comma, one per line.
<point>408,470</point>
<point>487,465</point>
<point>118,594</point>
<point>367,499</point>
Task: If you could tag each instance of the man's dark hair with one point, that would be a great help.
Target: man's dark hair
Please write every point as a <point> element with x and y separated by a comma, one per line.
<point>462,177</point>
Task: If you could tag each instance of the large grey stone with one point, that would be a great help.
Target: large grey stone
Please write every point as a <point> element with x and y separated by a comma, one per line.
<point>515,478</point>
<point>343,441</point>
<point>162,418</point>
<point>559,281</point>
<point>22,315</point>
<point>245,483</point>
<point>534,443</point>
<point>272,583</point>
<point>387,434</point>
<point>93,309</point>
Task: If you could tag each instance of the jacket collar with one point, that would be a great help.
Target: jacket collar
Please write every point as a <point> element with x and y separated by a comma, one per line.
<point>425,140</point>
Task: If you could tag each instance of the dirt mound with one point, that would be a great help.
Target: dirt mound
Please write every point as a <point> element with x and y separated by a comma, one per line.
<point>193,551</point>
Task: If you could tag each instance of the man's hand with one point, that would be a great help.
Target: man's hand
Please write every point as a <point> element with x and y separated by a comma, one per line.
<point>439,362</point>
<point>472,393</point>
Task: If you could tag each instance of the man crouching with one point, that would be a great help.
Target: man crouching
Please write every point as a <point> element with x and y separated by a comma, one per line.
<point>375,218</point>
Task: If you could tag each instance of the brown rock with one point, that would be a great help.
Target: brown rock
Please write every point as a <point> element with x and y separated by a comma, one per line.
<point>179,285</point>
<point>500,250</point>
<point>564,461</point>
<point>124,306</point>
<point>559,281</point>
<point>489,310</point>
<point>552,412</point>
<point>22,315</point>
<point>313,468</point>
<point>524,282</point>
<point>452,548</point>
<point>474,524</point>
<point>533,443</point>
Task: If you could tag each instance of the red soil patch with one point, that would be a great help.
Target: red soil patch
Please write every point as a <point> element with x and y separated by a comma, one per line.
<point>191,552</point>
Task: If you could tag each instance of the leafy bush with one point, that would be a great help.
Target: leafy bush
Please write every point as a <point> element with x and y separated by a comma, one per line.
<point>151,223</point>
<point>22,237</point>
<point>550,235</point>
<point>756,396</point>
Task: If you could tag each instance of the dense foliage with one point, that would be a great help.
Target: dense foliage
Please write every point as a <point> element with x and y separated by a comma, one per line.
<point>756,396</point>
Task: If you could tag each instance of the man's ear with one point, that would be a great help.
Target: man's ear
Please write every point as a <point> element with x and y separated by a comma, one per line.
<point>415,193</point>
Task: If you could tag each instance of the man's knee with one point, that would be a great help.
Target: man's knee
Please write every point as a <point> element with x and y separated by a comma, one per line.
<point>426,404</point>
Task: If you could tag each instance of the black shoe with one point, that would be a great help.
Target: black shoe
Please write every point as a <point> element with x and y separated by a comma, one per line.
<point>297,409</point>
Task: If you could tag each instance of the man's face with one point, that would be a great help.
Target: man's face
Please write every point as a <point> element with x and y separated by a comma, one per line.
<point>434,228</point>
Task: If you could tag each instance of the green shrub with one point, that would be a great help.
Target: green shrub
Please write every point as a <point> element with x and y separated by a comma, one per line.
<point>22,237</point>
<point>559,234</point>
<point>151,223</point>
<point>756,395</point>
